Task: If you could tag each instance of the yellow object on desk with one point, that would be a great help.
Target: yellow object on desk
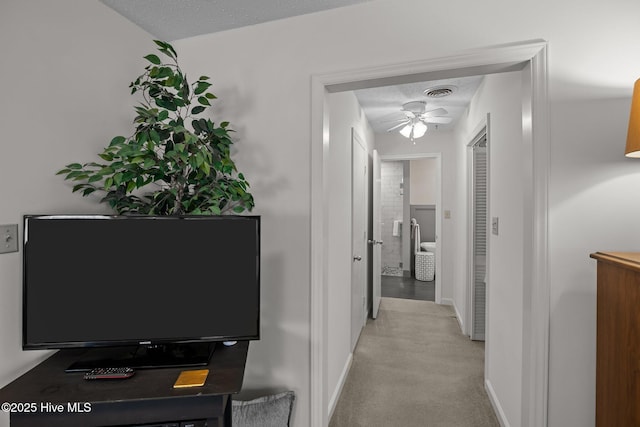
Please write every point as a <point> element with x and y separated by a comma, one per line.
<point>195,378</point>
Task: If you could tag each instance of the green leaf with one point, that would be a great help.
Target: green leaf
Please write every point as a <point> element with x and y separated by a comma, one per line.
<point>165,72</point>
<point>209,95</point>
<point>105,170</point>
<point>197,109</point>
<point>154,136</point>
<point>204,78</point>
<point>118,140</point>
<point>74,166</point>
<point>204,101</point>
<point>205,168</point>
<point>76,175</point>
<point>163,115</point>
<point>117,178</point>
<point>108,183</point>
<point>201,87</point>
<point>88,191</point>
<point>166,48</point>
<point>153,59</point>
<point>94,178</point>
<point>165,103</point>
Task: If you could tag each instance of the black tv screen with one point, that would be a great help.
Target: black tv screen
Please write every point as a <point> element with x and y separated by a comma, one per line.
<point>96,281</point>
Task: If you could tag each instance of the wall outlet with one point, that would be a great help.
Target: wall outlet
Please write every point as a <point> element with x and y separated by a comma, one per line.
<point>494,225</point>
<point>447,214</point>
<point>8,238</point>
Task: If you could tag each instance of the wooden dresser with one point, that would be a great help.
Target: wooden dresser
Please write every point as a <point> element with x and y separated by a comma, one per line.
<point>618,339</point>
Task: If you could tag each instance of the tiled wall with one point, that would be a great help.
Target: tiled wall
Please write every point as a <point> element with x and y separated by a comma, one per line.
<point>391,203</point>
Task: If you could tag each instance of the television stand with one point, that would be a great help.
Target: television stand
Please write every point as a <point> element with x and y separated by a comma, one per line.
<point>62,399</point>
<point>145,357</point>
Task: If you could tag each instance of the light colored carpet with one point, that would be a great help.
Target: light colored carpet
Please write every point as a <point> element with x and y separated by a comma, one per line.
<point>413,367</point>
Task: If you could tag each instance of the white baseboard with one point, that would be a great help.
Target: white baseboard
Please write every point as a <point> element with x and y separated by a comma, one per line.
<point>451,302</point>
<point>336,393</point>
<point>497,408</point>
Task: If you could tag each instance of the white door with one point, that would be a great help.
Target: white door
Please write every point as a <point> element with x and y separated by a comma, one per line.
<point>376,265</point>
<point>358,237</point>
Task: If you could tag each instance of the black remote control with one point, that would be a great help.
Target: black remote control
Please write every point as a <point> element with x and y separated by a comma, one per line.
<point>109,374</point>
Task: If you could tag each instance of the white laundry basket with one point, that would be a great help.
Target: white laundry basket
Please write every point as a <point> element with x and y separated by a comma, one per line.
<point>425,266</point>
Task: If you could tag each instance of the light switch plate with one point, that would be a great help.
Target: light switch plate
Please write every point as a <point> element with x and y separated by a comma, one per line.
<point>8,238</point>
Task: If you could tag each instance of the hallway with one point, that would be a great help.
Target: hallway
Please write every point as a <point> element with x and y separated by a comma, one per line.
<point>414,368</point>
<point>408,288</point>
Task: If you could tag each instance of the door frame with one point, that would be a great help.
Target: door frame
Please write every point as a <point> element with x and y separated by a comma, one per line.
<point>438,157</point>
<point>482,129</point>
<point>530,56</point>
<point>356,139</point>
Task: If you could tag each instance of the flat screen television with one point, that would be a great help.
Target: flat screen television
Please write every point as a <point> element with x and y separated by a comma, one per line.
<point>147,291</point>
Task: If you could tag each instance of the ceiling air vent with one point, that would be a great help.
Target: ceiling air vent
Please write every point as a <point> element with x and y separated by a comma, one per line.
<point>440,91</point>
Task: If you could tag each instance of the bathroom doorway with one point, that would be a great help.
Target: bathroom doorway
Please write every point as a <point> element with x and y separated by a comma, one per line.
<point>410,226</point>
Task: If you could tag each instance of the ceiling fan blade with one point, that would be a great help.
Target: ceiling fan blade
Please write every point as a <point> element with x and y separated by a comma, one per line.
<point>436,112</point>
<point>388,122</point>
<point>438,120</point>
<point>404,123</point>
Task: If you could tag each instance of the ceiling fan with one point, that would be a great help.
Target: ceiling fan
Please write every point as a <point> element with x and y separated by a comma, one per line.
<point>414,125</point>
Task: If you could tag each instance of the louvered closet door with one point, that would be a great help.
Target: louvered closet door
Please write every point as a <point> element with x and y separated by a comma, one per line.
<point>479,300</point>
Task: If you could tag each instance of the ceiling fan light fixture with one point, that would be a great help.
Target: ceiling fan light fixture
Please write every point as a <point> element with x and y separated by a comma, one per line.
<point>419,129</point>
<point>406,131</point>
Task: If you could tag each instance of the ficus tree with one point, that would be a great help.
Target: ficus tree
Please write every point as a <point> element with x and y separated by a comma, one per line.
<point>175,162</point>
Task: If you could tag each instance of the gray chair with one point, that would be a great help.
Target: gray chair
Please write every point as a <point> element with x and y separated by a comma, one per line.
<point>267,411</point>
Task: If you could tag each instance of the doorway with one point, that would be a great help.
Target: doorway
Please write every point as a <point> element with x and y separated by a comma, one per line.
<point>411,205</point>
<point>531,57</point>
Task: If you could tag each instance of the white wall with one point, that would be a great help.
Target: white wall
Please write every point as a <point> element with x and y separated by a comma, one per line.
<point>594,206</point>
<point>262,75</point>
<point>423,181</point>
<point>66,68</point>
<point>345,114</point>
<point>501,96</point>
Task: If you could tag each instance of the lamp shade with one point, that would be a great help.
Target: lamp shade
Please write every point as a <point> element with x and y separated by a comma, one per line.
<point>406,131</point>
<point>633,135</point>
<point>419,130</point>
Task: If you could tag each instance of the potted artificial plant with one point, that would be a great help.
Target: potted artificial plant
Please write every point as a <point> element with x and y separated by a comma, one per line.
<point>174,163</point>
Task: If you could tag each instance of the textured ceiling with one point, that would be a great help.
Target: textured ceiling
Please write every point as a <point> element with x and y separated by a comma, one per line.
<point>383,105</point>
<point>171,20</point>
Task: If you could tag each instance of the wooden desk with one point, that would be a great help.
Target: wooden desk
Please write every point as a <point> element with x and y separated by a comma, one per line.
<point>147,398</point>
<point>618,339</point>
